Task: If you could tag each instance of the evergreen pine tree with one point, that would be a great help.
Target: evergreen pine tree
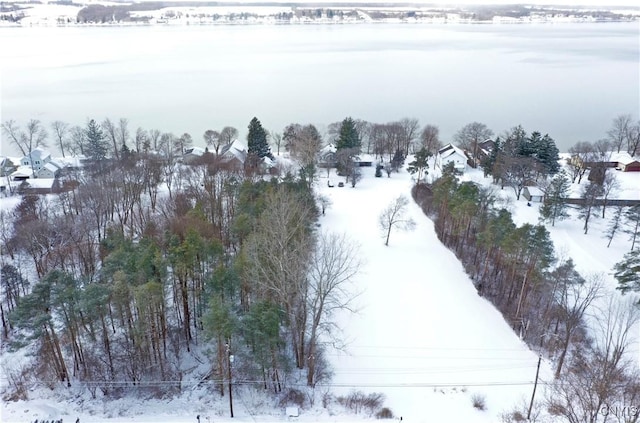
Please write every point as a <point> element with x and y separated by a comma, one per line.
<point>548,154</point>
<point>397,160</point>
<point>614,224</point>
<point>633,225</point>
<point>420,164</point>
<point>555,206</point>
<point>348,137</point>
<point>125,153</point>
<point>627,272</point>
<point>257,140</point>
<point>97,144</point>
<point>518,142</point>
<point>489,161</point>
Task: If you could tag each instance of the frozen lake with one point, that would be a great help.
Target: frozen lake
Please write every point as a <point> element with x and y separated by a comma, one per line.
<point>569,80</point>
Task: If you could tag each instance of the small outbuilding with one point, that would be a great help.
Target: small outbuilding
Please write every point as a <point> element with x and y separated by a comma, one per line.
<point>533,194</point>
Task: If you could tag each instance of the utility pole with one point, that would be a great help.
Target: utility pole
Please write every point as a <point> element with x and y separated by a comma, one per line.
<point>229,361</point>
<point>533,395</point>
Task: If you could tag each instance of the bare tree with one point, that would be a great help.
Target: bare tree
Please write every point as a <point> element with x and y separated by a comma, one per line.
<point>78,140</point>
<point>582,153</point>
<point>276,138</point>
<point>379,140</point>
<point>601,374</point>
<point>619,131</point>
<point>394,216</point>
<point>279,252</point>
<point>602,151</point>
<point>325,202</point>
<point>228,134</point>
<point>180,145</point>
<point>154,139</point>
<point>364,130</point>
<point>410,128</point>
<point>333,265</point>
<point>122,132</point>
<point>470,135</point>
<point>610,186</point>
<point>142,142</point>
<point>60,130</point>
<point>333,132</point>
<point>575,296</point>
<point>110,131</point>
<point>430,138</point>
<point>28,139</point>
<point>517,171</point>
<point>212,140</point>
<point>633,139</point>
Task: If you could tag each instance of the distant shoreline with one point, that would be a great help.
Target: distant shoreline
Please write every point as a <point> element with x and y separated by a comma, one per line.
<point>64,13</point>
<point>300,23</point>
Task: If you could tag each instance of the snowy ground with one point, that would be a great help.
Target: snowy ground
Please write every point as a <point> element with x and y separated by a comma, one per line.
<point>423,336</point>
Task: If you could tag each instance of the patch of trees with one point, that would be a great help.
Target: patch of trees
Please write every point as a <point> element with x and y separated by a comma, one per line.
<point>519,159</point>
<point>150,261</point>
<point>96,13</point>
<point>541,296</point>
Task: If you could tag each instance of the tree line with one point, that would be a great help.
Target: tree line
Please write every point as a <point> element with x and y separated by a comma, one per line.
<point>149,261</point>
<point>539,292</point>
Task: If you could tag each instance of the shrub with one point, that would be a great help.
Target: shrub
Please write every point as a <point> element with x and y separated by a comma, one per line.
<point>384,413</point>
<point>356,401</point>
<point>479,402</point>
<point>292,397</point>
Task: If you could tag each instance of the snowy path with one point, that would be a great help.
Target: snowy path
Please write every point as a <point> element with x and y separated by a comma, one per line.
<point>423,335</point>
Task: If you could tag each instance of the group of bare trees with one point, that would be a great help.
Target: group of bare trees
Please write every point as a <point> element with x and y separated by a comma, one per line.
<point>624,134</point>
<point>383,140</point>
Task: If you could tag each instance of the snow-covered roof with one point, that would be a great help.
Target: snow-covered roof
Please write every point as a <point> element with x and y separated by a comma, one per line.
<point>52,166</point>
<point>22,172</point>
<point>196,151</point>
<point>622,157</point>
<point>535,191</point>
<point>235,149</point>
<point>329,148</point>
<point>40,182</point>
<point>449,150</point>
<point>74,161</point>
<point>38,154</point>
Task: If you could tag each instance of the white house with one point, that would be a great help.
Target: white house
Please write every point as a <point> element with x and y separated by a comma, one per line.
<point>234,152</point>
<point>451,154</point>
<point>37,159</point>
<point>38,164</point>
<point>49,170</point>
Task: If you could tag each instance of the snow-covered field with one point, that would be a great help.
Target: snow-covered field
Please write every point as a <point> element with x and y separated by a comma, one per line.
<point>422,335</point>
